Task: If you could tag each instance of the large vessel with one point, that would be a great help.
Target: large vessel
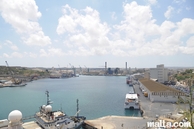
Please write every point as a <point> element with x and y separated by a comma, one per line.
<point>49,119</point>
<point>46,118</point>
<point>131,101</point>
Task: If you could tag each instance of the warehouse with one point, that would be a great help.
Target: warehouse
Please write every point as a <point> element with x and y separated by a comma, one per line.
<point>158,92</point>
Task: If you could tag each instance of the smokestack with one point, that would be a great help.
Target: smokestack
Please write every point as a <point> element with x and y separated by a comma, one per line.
<point>126,66</point>
<point>105,66</point>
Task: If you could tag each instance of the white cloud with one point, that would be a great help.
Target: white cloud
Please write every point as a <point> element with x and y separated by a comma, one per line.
<point>85,29</point>
<point>152,2</point>
<point>38,39</point>
<point>13,55</point>
<point>168,13</point>
<point>22,15</point>
<point>6,55</point>
<point>113,16</point>
<point>188,8</point>
<point>43,53</point>
<point>179,1</point>
<point>17,54</point>
<point>139,35</point>
<point>190,42</point>
<point>136,35</point>
<point>51,52</point>
<point>11,45</point>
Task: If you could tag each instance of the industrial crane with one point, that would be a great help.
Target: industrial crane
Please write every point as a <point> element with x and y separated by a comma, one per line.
<point>12,75</point>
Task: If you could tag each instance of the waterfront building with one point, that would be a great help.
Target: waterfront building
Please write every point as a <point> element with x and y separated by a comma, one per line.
<point>158,92</point>
<point>160,73</point>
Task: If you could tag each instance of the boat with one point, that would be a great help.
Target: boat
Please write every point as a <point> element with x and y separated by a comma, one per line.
<point>46,118</point>
<point>49,119</point>
<point>128,79</point>
<point>131,101</point>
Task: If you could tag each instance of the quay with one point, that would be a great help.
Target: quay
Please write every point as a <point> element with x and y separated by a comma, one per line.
<point>116,122</point>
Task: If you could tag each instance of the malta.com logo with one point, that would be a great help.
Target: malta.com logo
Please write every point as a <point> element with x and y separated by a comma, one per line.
<point>163,124</point>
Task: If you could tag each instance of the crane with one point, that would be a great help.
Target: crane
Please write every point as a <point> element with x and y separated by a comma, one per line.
<point>12,74</point>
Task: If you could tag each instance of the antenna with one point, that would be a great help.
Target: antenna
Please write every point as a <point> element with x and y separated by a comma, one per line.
<point>47,94</point>
<point>77,107</point>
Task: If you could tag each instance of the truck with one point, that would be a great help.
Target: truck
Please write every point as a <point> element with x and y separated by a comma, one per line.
<point>145,94</point>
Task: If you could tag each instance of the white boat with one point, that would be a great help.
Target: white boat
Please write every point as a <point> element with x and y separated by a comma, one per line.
<point>46,118</point>
<point>131,101</point>
<point>49,119</point>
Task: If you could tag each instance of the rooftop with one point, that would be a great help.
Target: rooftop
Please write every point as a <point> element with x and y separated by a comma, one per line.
<point>156,86</point>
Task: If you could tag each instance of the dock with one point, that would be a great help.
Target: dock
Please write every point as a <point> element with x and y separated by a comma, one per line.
<point>116,122</point>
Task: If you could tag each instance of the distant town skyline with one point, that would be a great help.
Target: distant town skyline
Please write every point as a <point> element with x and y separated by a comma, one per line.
<point>143,33</point>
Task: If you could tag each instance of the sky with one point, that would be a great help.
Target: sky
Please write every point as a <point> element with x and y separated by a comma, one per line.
<point>88,33</point>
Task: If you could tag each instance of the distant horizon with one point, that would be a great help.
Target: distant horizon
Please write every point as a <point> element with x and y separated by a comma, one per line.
<point>173,67</point>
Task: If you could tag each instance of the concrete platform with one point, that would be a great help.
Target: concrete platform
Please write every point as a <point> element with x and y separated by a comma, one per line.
<point>117,122</point>
<point>31,125</point>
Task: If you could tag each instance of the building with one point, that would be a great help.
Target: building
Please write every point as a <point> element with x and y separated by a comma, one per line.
<point>160,73</point>
<point>158,92</point>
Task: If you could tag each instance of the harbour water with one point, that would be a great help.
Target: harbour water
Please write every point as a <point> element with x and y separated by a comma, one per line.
<point>98,96</point>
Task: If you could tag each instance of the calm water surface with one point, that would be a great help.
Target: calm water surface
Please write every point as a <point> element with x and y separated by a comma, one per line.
<point>98,96</point>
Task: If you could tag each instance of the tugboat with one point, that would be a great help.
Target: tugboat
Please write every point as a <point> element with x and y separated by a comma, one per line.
<point>49,119</point>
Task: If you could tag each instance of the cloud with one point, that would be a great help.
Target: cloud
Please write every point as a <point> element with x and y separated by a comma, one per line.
<point>136,35</point>
<point>51,52</point>
<point>85,29</point>
<point>13,55</point>
<point>179,1</point>
<point>168,13</point>
<point>139,35</point>
<point>22,15</point>
<point>190,42</point>
<point>11,45</point>
<point>6,55</point>
<point>152,2</point>
<point>113,16</point>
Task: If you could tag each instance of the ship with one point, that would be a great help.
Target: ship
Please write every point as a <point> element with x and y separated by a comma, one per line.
<point>128,79</point>
<point>131,101</point>
<point>46,118</point>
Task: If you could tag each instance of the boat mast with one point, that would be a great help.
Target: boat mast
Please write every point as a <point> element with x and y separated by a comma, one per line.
<point>77,107</point>
<point>47,94</point>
